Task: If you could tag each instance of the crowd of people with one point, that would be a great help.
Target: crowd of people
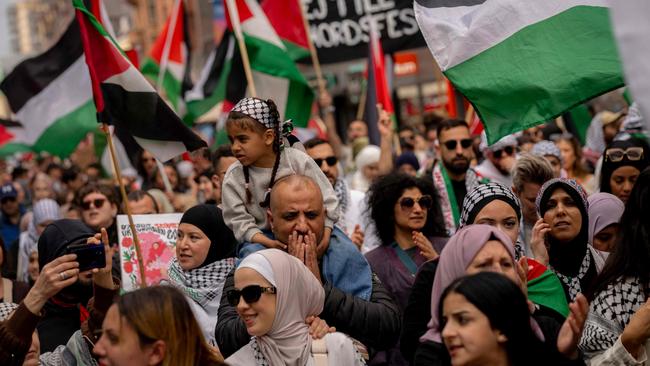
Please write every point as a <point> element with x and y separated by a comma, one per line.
<point>431,247</point>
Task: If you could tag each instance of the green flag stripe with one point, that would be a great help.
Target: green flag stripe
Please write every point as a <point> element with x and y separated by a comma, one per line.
<point>511,86</point>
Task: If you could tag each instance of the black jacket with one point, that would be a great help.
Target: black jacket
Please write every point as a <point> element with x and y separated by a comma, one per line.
<point>375,323</point>
<point>418,310</point>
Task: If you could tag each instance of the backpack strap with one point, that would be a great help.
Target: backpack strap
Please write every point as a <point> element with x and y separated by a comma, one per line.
<point>319,352</point>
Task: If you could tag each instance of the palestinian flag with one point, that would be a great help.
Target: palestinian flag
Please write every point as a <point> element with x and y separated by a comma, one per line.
<point>170,52</point>
<point>286,18</point>
<point>377,90</point>
<point>275,74</point>
<point>125,99</point>
<point>522,62</point>
<point>50,95</point>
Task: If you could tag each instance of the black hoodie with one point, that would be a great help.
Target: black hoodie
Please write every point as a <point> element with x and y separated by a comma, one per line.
<point>61,314</point>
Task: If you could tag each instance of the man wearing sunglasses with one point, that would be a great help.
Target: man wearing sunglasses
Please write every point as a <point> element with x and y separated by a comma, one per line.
<point>500,158</point>
<point>296,215</point>
<point>350,200</point>
<point>452,175</point>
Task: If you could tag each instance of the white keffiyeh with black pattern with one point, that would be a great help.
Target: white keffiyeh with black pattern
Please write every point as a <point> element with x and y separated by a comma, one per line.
<point>573,283</point>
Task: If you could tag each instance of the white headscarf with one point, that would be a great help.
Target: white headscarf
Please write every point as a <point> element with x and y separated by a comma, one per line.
<point>368,155</point>
<point>299,295</point>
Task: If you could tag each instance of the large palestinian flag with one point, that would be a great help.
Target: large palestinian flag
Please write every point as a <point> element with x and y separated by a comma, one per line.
<point>275,74</point>
<point>50,95</point>
<point>124,98</point>
<point>522,62</point>
<point>170,52</point>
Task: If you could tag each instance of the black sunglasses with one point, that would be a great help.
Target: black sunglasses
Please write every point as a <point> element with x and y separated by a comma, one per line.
<point>509,150</point>
<point>425,202</point>
<point>98,203</point>
<point>451,144</point>
<point>251,294</point>
<point>330,160</point>
<point>8,199</point>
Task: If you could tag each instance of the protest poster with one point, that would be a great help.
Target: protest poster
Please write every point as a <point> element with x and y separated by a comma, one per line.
<point>340,28</point>
<point>157,234</point>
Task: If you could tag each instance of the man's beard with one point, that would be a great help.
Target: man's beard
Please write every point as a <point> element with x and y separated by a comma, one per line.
<point>457,165</point>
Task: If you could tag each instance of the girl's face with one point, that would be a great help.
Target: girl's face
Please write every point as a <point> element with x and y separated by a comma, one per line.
<point>120,345</point>
<point>622,181</point>
<point>500,215</point>
<point>468,335</point>
<point>605,240</point>
<point>556,164</point>
<point>568,155</point>
<point>172,176</point>
<point>493,257</point>
<point>192,246</point>
<point>563,215</point>
<point>410,218</point>
<point>252,147</point>
<point>206,186</point>
<point>259,315</point>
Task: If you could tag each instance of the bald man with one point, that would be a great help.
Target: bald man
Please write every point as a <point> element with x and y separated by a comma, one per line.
<point>297,218</point>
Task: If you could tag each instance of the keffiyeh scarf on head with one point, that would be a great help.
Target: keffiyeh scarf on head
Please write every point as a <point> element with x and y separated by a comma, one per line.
<point>481,196</point>
<point>258,109</point>
<point>442,182</point>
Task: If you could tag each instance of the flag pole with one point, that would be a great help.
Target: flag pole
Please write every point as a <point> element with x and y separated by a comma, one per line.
<point>118,175</point>
<point>312,50</point>
<point>234,18</point>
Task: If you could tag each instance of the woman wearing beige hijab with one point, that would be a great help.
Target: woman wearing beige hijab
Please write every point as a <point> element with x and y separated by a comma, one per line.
<point>274,293</point>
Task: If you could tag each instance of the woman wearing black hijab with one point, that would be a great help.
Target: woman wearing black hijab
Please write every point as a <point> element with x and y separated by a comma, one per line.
<point>623,161</point>
<point>205,255</point>
<point>563,205</point>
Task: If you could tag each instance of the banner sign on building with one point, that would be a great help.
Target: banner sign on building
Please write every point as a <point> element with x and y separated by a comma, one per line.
<point>340,28</point>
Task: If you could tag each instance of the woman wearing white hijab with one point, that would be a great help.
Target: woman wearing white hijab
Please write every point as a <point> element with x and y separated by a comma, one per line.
<point>45,211</point>
<point>366,163</point>
<point>274,293</point>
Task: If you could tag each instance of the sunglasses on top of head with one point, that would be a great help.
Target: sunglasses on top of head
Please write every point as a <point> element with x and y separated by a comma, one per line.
<point>98,203</point>
<point>617,154</point>
<point>330,160</point>
<point>451,144</point>
<point>508,150</point>
<point>251,294</point>
<point>425,202</point>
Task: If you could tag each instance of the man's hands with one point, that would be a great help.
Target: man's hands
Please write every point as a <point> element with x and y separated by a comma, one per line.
<point>269,243</point>
<point>303,247</point>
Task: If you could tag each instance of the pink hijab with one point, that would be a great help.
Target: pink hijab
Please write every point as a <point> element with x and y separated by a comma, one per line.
<point>454,259</point>
<point>604,209</point>
<point>299,295</point>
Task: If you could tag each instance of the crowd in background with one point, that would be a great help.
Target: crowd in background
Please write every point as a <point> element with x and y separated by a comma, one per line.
<point>430,248</point>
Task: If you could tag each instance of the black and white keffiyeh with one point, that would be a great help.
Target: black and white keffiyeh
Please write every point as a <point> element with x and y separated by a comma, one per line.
<point>259,110</point>
<point>260,360</point>
<point>203,285</point>
<point>483,194</point>
<point>342,192</point>
<point>6,308</point>
<point>609,313</point>
<point>573,283</point>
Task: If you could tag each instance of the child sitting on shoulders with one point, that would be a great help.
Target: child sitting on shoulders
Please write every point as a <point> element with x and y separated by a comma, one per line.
<point>257,135</point>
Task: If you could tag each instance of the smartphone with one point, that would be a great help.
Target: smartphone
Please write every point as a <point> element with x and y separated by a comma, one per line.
<point>89,256</point>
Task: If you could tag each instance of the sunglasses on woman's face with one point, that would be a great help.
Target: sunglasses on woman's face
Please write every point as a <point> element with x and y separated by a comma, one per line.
<point>451,144</point>
<point>508,150</point>
<point>251,294</point>
<point>330,160</point>
<point>425,202</point>
<point>98,203</point>
<point>617,154</point>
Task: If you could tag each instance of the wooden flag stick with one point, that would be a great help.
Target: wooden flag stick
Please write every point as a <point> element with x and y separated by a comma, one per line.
<point>118,175</point>
<point>312,49</point>
<point>234,18</point>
